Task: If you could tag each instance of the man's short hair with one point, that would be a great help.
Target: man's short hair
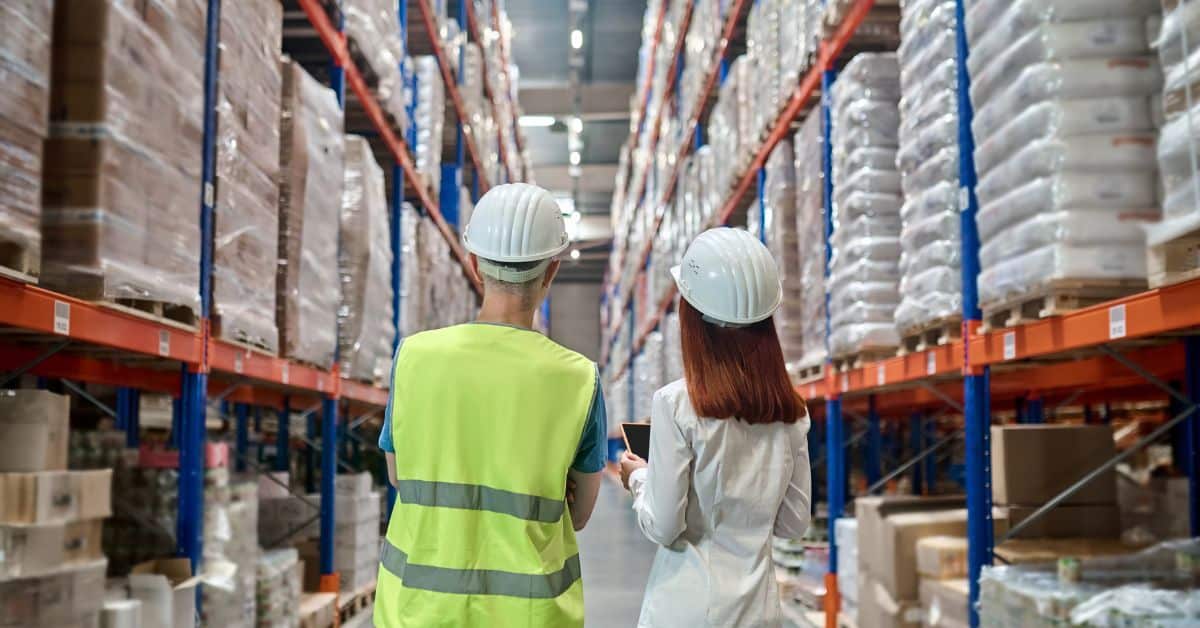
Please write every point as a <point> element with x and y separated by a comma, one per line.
<point>514,277</point>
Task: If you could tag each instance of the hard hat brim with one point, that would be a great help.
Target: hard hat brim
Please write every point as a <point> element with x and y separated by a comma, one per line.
<point>531,257</point>
<point>676,273</point>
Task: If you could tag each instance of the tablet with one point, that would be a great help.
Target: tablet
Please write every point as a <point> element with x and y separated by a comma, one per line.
<point>637,439</point>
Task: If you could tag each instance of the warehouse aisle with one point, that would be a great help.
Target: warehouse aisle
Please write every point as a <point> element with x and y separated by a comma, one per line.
<point>616,561</point>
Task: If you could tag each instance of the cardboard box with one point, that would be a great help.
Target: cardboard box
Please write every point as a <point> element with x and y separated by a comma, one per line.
<point>63,597</point>
<point>1064,522</point>
<point>121,614</point>
<point>271,485</point>
<point>82,541</point>
<point>945,602</point>
<point>29,498</point>
<point>871,511</point>
<point>942,557</point>
<point>352,535</point>
<point>94,493</point>
<point>357,509</point>
<point>1022,551</point>
<point>30,550</point>
<point>33,431</point>
<point>1158,508</point>
<point>354,485</point>
<point>878,609</point>
<point>167,591</point>
<point>1032,464</point>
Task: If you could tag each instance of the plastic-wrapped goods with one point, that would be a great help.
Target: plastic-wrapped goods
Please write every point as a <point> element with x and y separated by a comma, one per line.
<point>730,125</point>
<point>238,545</point>
<point>763,43</point>
<point>866,206</point>
<point>122,171</point>
<point>810,235</point>
<point>278,586</point>
<point>616,402</point>
<point>845,532</point>
<point>376,45</point>
<point>365,266</point>
<point>310,191</point>
<point>434,292</point>
<point>1179,141</point>
<point>24,104</point>
<point>472,84</point>
<point>1155,587</point>
<point>704,30</point>
<point>1065,139</point>
<point>928,161</point>
<point>647,375</point>
<point>429,117</point>
<point>246,214</point>
<point>672,348</point>
<point>778,218</point>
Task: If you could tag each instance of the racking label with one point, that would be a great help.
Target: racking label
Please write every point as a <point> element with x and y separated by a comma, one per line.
<point>62,318</point>
<point>930,363</point>
<point>208,193</point>
<point>845,382</point>
<point>964,199</point>
<point>1010,345</point>
<point>1116,322</point>
<point>284,374</point>
<point>880,375</point>
<point>164,343</point>
<point>238,365</point>
<point>812,391</point>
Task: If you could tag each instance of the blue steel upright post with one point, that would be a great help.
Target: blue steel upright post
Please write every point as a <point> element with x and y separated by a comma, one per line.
<point>189,522</point>
<point>448,199</point>
<point>976,397</point>
<point>762,204</point>
<point>241,415</point>
<point>283,439</point>
<point>1192,446</point>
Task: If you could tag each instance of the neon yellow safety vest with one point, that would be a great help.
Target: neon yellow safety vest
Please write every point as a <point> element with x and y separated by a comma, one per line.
<point>486,420</point>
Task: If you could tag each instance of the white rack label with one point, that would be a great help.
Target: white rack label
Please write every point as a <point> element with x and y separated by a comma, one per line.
<point>238,366</point>
<point>208,193</point>
<point>845,382</point>
<point>62,318</point>
<point>1116,322</point>
<point>880,375</point>
<point>1010,345</point>
<point>812,391</point>
<point>964,199</point>
<point>321,383</point>
<point>930,363</point>
<point>284,375</point>
<point>164,343</point>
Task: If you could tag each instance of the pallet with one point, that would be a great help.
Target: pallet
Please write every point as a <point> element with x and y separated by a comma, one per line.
<point>942,331</point>
<point>1174,261</point>
<point>1054,299</point>
<point>19,262</point>
<point>180,316</point>
<point>364,619</point>
<point>317,610</point>
<point>861,359</point>
<point>249,344</point>
<point>355,602</point>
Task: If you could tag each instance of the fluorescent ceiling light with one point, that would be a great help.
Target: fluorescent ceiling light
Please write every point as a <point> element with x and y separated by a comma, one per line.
<point>536,121</point>
<point>575,253</point>
<point>577,124</point>
<point>574,158</point>
<point>577,39</point>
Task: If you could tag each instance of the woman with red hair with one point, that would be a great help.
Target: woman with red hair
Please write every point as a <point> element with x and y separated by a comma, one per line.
<point>728,463</point>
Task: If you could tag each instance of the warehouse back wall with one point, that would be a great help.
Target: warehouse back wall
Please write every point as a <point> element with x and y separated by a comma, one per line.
<point>575,316</point>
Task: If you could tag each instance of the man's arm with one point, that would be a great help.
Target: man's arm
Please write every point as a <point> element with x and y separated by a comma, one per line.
<point>590,459</point>
<point>391,465</point>
<point>583,496</point>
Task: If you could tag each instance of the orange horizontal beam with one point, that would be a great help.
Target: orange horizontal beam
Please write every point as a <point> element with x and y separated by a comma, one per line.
<point>228,358</point>
<point>91,370</point>
<point>364,393</point>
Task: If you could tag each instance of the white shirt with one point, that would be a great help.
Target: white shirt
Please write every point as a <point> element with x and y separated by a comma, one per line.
<point>714,493</point>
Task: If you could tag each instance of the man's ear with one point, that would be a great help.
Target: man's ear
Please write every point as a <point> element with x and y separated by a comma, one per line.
<point>551,271</point>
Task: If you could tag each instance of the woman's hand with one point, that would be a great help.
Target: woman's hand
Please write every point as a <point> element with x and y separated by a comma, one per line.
<point>630,463</point>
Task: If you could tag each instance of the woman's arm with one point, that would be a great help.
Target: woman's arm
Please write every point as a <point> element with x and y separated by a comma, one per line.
<point>660,491</point>
<point>795,513</point>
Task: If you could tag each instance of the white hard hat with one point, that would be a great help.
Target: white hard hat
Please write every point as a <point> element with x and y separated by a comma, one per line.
<point>730,277</point>
<point>516,222</point>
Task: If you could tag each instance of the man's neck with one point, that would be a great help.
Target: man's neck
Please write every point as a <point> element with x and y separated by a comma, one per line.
<point>505,311</point>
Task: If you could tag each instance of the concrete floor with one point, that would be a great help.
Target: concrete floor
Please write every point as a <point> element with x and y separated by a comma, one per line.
<point>616,561</point>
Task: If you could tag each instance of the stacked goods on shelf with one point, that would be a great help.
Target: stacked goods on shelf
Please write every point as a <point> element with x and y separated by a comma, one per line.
<point>310,189</point>
<point>428,116</point>
<point>942,565</point>
<point>230,539</point>
<point>672,348</point>
<point>727,133</point>
<point>700,47</point>
<point>1064,149</point>
<point>778,229</point>
<point>246,213</point>
<point>1173,243</point>
<point>51,564</point>
<point>376,46</point>
<point>845,535</point>
<point>1032,464</point>
<point>763,44</point>
<point>122,162</point>
<point>930,264</point>
<point>24,116</point>
<point>288,518</point>
<point>356,538</point>
<point>154,494</point>
<point>616,396</point>
<point>433,294</point>
<point>365,264</point>
<point>800,28</point>
<point>647,375</point>
<point>810,233</point>
<point>864,273</point>
<point>1153,508</point>
<point>277,586</point>
<point>1156,587</point>
<point>800,567</point>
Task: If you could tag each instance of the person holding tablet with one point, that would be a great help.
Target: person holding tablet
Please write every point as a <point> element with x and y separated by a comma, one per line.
<point>728,447</point>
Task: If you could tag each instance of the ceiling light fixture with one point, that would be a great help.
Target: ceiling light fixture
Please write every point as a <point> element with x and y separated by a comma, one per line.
<point>575,254</point>
<point>536,121</point>
<point>577,124</point>
<point>577,39</point>
<point>574,158</point>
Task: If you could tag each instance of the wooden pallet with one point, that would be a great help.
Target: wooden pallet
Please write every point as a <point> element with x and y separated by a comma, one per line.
<point>1056,298</point>
<point>355,602</point>
<point>181,316</point>
<point>241,340</point>
<point>317,610</point>
<point>861,359</point>
<point>19,262</point>
<point>934,334</point>
<point>1175,261</point>
<point>364,619</point>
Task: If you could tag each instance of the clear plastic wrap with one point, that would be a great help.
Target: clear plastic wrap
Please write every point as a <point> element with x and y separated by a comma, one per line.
<point>779,215</point>
<point>648,375</point>
<point>810,233</point>
<point>672,348</point>
<point>310,192</point>
<point>365,325</point>
<point>1091,154</point>
<point>434,293</point>
<point>1018,16</point>
<point>122,171</point>
<point>376,44</point>
<point>1134,192</point>
<point>429,118</point>
<point>278,587</point>
<point>1178,47</point>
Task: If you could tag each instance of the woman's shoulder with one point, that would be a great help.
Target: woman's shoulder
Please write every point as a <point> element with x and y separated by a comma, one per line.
<point>673,392</point>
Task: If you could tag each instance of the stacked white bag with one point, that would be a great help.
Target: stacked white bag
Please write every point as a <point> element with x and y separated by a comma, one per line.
<point>928,160</point>
<point>810,230</point>
<point>1064,141</point>
<point>778,219</point>
<point>429,116</point>
<point>864,268</point>
<point>1178,45</point>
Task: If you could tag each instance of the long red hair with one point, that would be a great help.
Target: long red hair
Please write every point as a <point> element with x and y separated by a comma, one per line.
<point>736,372</point>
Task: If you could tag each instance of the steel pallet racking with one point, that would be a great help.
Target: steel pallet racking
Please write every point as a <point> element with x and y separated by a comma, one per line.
<point>52,335</point>
<point>1123,350</point>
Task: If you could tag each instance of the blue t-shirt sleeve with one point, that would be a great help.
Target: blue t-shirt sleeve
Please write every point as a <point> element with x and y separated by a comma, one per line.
<point>385,434</point>
<point>593,447</point>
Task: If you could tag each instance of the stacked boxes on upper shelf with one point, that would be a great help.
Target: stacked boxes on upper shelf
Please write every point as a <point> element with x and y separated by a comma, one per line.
<point>278,576</point>
<point>778,230</point>
<point>864,273</point>
<point>51,564</point>
<point>365,266</point>
<point>1064,148</point>
<point>376,44</point>
<point>24,115</point>
<point>433,294</point>
<point>246,213</point>
<point>810,233</point>
<point>429,117</point>
<point>310,190</point>
<point>122,168</point>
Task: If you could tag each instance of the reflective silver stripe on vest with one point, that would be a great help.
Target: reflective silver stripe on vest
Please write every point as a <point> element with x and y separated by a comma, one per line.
<point>478,581</point>
<point>476,497</point>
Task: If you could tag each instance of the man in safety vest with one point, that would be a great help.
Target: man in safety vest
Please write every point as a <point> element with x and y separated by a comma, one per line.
<point>494,422</point>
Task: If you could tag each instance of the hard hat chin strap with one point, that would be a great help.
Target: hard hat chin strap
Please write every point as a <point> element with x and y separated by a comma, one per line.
<point>506,274</point>
<point>708,319</point>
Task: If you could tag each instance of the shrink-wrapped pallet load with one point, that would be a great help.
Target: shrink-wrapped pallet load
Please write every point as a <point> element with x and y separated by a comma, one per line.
<point>810,233</point>
<point>429,117</point>
<point>376,45</point>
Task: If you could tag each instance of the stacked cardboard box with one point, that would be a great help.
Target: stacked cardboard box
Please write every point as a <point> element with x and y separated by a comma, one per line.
<point>231,538</point>
<point>376,45</point>
<point>1031,464</point>
<point>776,224</point>
<point>51,563</point>
<point>1154,510</point>
<point>434,291</point>
<point>356,541</point>
<point>122,168</point>
<point>310,192</point>
<point>365,265</point>
<point>25,68</point>
<point>942,565</point>
<point>845,534</point>
<point>246,214</point>
<point>278,586</point>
